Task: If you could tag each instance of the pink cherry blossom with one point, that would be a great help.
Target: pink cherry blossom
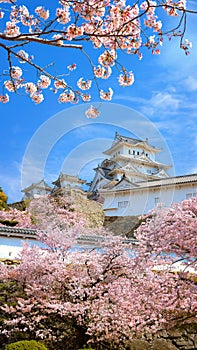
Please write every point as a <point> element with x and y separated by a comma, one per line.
<point>74,31</point>
<point>86,97</point>
<point>106,95</point>
<point>24,56</point>
<point>63,15</point>
<point>10,86</point>
<point>66,97</point>
<point>16,72</point>
<point>188,43</point>
<point>37,97</point>
<point>92,112</point>
<point>60,84</point>
<point>44,82</point>
<point>12,29</point>
<point>126,79</point>
<point>4,98</point>
<point>24,11</point>
<point>72,67</point>
<point>108,26</point>
<point>30,88</point>
<point>21,218</point>
<point>84,85</point>
<point>102,72</point>
<point>40,10</point>
<point>107,58</point>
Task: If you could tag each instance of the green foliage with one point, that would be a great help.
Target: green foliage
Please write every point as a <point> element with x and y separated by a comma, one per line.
<point>9,222</point>
<point>3,200</point>
<point>9,293</point>
<point>22,205</point>
<point>26,345</point>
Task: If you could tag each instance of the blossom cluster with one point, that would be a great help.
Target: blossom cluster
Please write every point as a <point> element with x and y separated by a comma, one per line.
<point>126,79</point>
<point>102,72</point>
<point>67,96</point>
<point>92,112</point>
<point>20,218</point>
<point>106,95</point>
<point>40,10</point>
<point>109,25</point>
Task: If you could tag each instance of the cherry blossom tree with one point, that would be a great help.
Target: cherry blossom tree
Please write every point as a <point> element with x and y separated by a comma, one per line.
<point>108,26</point>
<point>111,295</point>
<point>44,213</point>
<point>174,229</point>
<point>15,217</point>
<point>55,212</point>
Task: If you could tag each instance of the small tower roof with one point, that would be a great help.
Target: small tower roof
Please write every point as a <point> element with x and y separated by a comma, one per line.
<point>38,185</point>
<point>70,178</point>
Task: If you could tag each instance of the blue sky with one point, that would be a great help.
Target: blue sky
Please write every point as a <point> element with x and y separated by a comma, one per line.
<point>42,140</point>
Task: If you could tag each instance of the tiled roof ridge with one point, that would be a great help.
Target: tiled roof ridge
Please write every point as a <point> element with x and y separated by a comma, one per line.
<point>172,177</point>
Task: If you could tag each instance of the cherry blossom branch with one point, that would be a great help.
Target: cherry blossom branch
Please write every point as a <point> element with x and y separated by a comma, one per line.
<point>111,26</point>
<point>25,37</point>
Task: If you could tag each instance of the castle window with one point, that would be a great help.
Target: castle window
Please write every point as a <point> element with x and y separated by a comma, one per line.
<point>129,151</point>
<point>146,154</point>
<point>157,200</point>
<point>189,195</point>
<point>123,204</point>
<point>138,153</point>
<point>133,152</point>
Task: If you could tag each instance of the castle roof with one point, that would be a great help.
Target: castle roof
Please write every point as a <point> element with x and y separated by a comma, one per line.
<point>163,182</point>
<point>70,178</point>
<point>38,185</point>
<point>120,139</point>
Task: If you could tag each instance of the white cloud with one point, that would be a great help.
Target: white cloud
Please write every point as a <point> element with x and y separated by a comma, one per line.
<point>191,83</point>
<point>11,186</point>
<point>164,100</point>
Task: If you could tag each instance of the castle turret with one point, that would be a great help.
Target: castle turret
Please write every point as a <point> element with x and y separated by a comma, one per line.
<point>130,157</point>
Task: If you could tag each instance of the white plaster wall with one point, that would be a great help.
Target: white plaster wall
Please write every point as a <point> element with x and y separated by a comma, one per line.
<point>67,183</point>
<point>10,247</point>
<point>71,183</point>
<point>124,150</point>
<point>142,201</point>
<point>39,193</point>
<point>138,149</point>
<point>181,192</point>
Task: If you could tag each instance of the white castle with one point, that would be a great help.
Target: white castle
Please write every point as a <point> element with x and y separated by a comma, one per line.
<point>130,181</point>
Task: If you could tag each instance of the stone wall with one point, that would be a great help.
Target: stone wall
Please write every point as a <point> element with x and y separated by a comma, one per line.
<point>182,338</point>
<point>91,210</point>
<point>121,225</point>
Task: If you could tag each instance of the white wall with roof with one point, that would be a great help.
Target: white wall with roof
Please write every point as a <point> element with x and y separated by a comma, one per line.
<point>10,247</point>
<point>141,201</point>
